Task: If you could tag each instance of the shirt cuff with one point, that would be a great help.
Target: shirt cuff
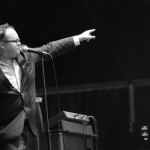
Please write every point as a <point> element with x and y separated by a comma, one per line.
<point>76,40</point>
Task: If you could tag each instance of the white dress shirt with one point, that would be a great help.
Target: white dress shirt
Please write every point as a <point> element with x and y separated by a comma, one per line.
<point>12,74</point>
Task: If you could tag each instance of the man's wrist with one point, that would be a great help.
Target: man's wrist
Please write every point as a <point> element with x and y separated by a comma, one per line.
<point>76,40</point>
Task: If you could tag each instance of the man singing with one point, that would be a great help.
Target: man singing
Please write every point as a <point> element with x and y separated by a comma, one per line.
<point>20,114</point>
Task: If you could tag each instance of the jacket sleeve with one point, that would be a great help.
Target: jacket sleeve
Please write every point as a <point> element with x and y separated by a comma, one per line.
<point>55,48</point>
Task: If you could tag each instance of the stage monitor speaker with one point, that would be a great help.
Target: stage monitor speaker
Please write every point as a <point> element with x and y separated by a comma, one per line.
<point>72,132</point>
<point>67,141</point>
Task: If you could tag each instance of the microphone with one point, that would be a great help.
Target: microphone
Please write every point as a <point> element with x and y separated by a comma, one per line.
<point>32,50</point>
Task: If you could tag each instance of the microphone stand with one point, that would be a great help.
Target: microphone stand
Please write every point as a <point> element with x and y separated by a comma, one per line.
<point>46,109</point>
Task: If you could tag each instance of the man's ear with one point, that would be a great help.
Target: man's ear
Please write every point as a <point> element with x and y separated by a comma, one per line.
<point>2,45</point>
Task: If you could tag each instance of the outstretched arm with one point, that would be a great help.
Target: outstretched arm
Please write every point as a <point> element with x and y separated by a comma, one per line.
<point>62,46</point>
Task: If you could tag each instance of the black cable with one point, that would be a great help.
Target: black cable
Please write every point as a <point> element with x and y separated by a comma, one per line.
<point>84,133</point>
<point>58,100</point>
<point>46,109</point>
<point>95,131</point>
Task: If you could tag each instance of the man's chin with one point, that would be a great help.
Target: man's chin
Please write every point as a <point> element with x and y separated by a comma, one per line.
<point>16,55</point>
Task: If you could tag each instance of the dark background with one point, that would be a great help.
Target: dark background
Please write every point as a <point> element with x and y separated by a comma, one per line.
<point>120,52</point>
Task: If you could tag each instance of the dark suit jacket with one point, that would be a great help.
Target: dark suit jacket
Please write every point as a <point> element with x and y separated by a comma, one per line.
<point>14,105</point>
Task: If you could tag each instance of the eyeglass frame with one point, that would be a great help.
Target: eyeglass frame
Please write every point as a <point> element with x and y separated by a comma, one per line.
<point>13,41</point>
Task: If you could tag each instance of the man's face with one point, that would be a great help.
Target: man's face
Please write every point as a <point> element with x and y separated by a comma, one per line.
<point>11,47</point>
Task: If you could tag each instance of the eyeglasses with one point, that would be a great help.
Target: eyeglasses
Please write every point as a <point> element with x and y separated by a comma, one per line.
<point>13,41</point>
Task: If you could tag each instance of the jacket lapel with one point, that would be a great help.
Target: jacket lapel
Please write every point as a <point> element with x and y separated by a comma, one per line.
<point>23,63</point>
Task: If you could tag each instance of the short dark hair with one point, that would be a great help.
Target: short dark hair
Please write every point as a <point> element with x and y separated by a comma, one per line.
<point>3,29</point>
